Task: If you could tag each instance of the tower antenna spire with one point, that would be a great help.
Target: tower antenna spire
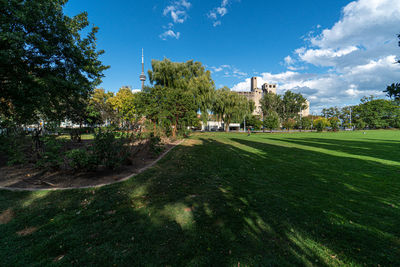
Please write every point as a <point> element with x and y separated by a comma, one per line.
<point>142,75</point>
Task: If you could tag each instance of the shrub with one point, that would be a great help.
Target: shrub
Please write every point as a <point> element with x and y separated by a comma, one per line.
<point>52,154</point>
<point>334,122</point>
<point>13,147</point>
<point>108,150</point>
<point>321,123</point>
<point>154,142</point>
<point>81,159</point>
<point>360,124</point>
<point>289,124</point>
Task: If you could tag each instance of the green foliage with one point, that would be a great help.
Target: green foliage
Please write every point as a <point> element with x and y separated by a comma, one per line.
<point>155,144</point>
<point>393,91</point>
<point>334,123</point>
<point>289,123</point>
<point>360,124</point>
<point>287,106</point>
<point>252,121</point>
<point>123,104</point>
<point>271,120</point>
<point>48,68</point>
<point>52,154</point>
<point>109,150</point>
<point>291,105</point>
<point>180,90</point>
<point>229,106</point>
<point>271,102</point>
<point>306,123</point>
<point>376,113</point>
<point>82,159</point>
<point>321,123</point>
<point>331,112</point>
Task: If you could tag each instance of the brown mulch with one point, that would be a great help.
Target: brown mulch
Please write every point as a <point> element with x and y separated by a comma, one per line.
<point>27,176</point>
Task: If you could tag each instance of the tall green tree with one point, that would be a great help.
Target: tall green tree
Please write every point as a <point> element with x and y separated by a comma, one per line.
<point>270,102</point>
<point>393,91</point>
<point>331,112</point>
<point>123,103</point>
<point>229,106</point>
<point>99,109</point>
<point>47,66</point>
<point>292,104</point>
<point>179,91</point>
<point>271,120</point>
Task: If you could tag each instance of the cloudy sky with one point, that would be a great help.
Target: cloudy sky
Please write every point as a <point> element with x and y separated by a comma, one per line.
<point>333,51</point>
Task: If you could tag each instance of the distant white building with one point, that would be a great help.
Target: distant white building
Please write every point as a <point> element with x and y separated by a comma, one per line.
<point>218,126</point>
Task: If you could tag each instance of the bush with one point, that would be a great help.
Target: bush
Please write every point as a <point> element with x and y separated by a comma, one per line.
<point>360,124</point>
<point>154,142</point>
<point>321,123</point>
<point>81,159</point>
<point>13,146</point>
<point>334,122</point>
<point>108,150</point>
<point>52,154</point>
<point>289,124</point>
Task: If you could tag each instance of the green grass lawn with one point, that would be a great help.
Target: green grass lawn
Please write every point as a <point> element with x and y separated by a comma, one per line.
<point>223,199</point>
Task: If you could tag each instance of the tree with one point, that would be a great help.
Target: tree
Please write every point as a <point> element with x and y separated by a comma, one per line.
<point>124,105</point>
<point>289,123</point>
<point>99,109</point>
<point>321,123</point>
<point>330,112</point>
<point>306,123</point>
<point>393,90</point>
<point>252,121</point>
<point>334,122</point>
<point>376,113</point>
<point>292,104</point>
<point>180,90</point>
<point>271,120</point>
<point>230,106</point>
<point>47,67</point>
<point>270,102</point>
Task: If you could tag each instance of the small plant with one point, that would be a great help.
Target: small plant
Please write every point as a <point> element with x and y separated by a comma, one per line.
<point>81,159</point>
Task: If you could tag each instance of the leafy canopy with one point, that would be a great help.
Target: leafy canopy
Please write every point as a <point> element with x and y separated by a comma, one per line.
<point>47,67</point>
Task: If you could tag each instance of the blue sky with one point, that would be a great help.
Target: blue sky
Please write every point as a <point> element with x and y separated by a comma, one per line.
<point>333,51</point>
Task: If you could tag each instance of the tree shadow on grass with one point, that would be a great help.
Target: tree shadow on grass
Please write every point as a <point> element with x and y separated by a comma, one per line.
<point>213,203</point>
<point>380,149</point>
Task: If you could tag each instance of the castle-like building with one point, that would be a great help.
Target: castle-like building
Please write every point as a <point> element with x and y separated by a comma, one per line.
<point>256,94</point>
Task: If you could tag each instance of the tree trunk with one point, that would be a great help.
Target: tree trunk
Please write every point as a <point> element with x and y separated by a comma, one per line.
<point>174,129</point>
<point>226,126</point>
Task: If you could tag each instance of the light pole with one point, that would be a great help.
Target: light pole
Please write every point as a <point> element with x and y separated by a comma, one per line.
<point>351,125</point>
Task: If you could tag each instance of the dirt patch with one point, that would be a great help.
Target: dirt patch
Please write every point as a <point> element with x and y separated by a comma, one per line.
<point>6,216</point>
<point>29,177</point>
<point>27,231</point>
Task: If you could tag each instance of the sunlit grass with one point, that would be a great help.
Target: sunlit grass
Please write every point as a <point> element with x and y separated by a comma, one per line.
<point>225,200</point>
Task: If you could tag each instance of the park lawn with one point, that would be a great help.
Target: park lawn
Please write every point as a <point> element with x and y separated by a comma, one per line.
<point>223,199</point>
<point>83,137</point>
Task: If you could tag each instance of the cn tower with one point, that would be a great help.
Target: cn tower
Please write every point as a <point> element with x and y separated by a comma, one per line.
<point>142,75</point>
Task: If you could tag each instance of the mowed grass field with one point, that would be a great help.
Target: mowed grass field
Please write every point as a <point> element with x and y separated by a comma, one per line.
<point>219,199</point>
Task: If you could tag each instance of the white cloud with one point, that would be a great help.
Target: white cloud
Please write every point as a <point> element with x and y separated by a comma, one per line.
<point>170,33</point>
<point>218,12</point>
<point>178,12</point>
<point>359,51</point>
<point>289,60</point>
<point>229,71</point>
